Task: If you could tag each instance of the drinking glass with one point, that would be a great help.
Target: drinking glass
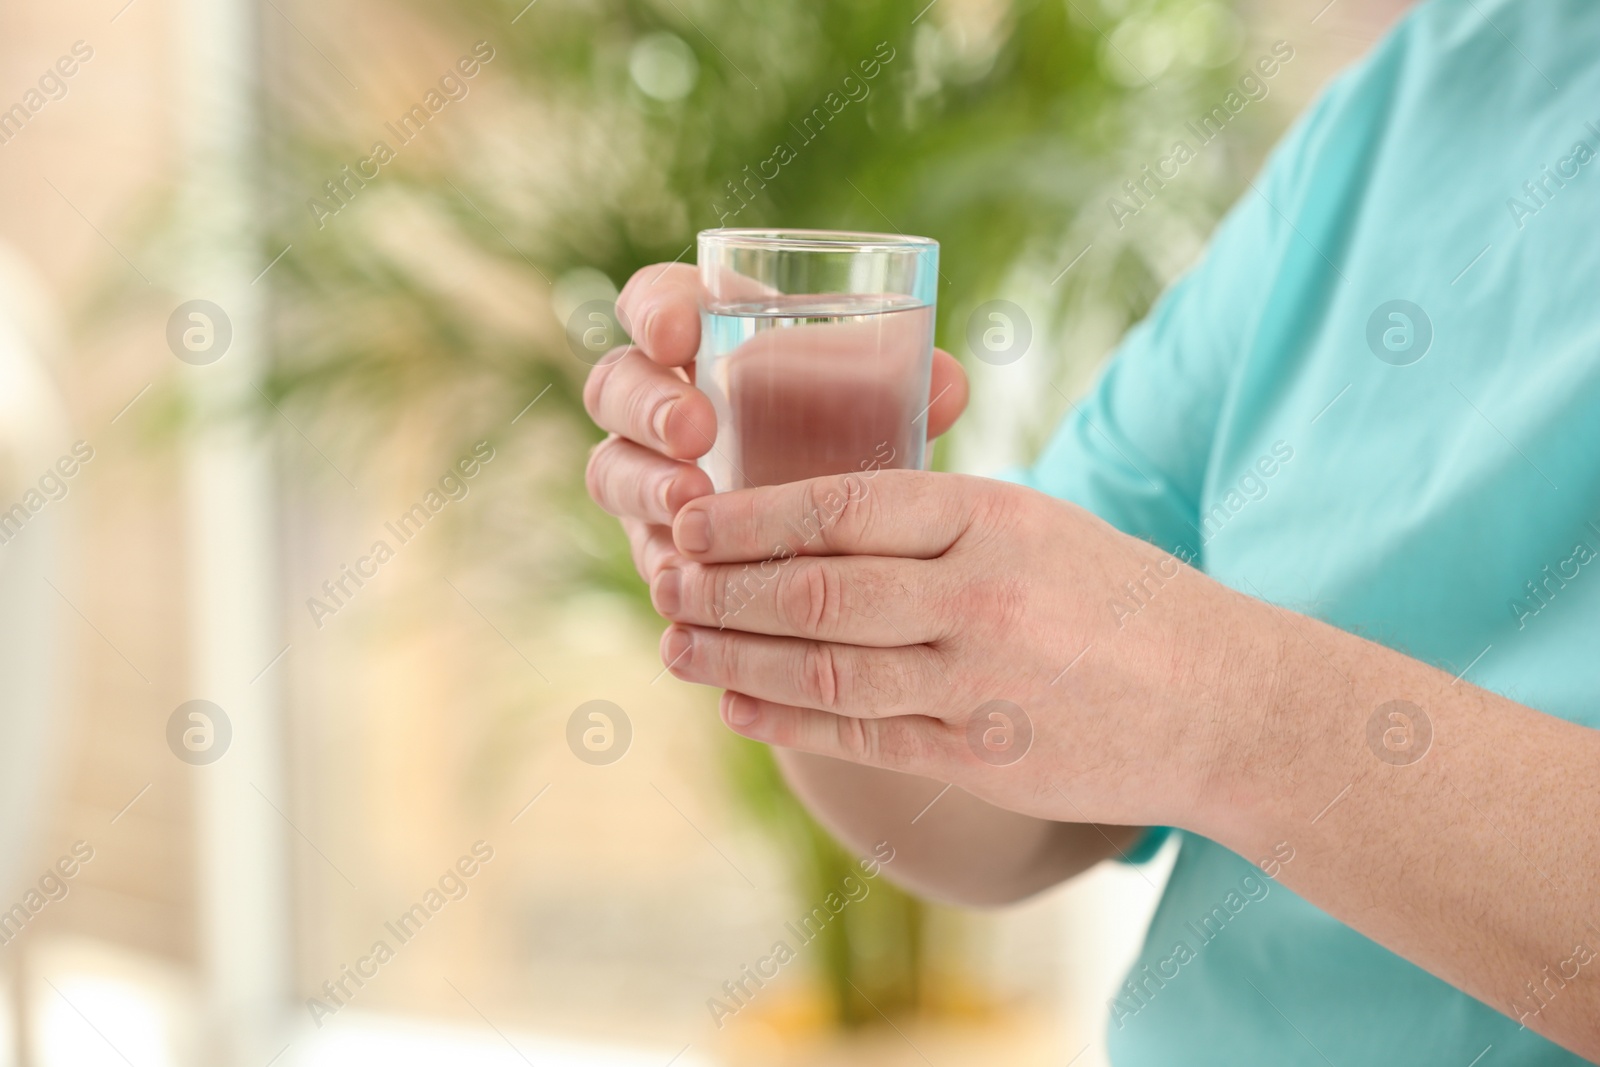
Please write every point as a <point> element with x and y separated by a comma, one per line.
<point>816,349</point>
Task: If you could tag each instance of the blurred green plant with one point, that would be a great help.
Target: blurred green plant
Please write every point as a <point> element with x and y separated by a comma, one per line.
<point>613,130</point>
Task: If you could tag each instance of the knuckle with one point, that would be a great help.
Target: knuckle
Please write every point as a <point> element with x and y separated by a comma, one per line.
<point>727,591</point>
<point>836,510</point>
<point>724,660</point>
<point>956,513</point>
<point>856,510</point>
<point>990,511</point>
<point>857,739</point>
<point>814,509</point>
<point>820,676</point>
<point>595,470</point>
<point>638,409</point>
<point>594,387</point>
<point>998,603</point>
<point>701,586</point>
<point>808,599</point>
<point>891,743</point>
<point>739,514</point>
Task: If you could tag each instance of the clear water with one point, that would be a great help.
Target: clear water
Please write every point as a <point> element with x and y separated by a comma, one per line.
<point>813,385</point>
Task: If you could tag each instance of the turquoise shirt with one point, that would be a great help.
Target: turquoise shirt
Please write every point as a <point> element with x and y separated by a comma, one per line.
<point>1425,474</point>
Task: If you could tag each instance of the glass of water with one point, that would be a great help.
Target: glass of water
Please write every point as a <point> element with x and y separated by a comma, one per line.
<point>816,349</point>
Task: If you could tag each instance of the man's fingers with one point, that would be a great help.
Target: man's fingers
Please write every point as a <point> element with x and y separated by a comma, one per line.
<point>858,600</point>
<point>909,514</point>
<point>842,679</point>
<point>660,309</point>
<point>947,395</point>
<point>628,480</point>
<point>910,743</point>
<point>650,405</point>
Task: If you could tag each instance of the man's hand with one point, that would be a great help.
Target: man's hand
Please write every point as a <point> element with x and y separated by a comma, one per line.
<point>960,629</point>
<point>964,850</point>
<point>659,423</point>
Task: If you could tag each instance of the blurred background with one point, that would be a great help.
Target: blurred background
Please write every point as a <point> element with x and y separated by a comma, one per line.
<point>303,610</point>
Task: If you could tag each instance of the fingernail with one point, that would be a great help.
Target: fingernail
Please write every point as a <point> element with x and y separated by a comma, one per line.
<point>664,496</point>
<point>666,593</point>
<point>662,416</point>
<point>675,646</point>
<point>741,711</point>
<point>693,532</point>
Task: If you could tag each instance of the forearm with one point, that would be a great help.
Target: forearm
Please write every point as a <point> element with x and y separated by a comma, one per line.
<point>949,845</point>
<point>1476,857</point>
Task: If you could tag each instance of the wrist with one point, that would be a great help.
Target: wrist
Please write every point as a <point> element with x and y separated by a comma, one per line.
<point>1249,697</point>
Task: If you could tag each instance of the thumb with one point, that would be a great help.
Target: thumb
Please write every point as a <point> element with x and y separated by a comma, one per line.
<point>947,393</point>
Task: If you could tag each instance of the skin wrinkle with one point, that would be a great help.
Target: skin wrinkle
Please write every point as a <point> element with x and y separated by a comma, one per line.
<point>821,676</point>
<point>824,602</point>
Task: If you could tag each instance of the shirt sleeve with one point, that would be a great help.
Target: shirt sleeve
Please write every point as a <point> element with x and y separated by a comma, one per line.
<point>1135,449</point>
